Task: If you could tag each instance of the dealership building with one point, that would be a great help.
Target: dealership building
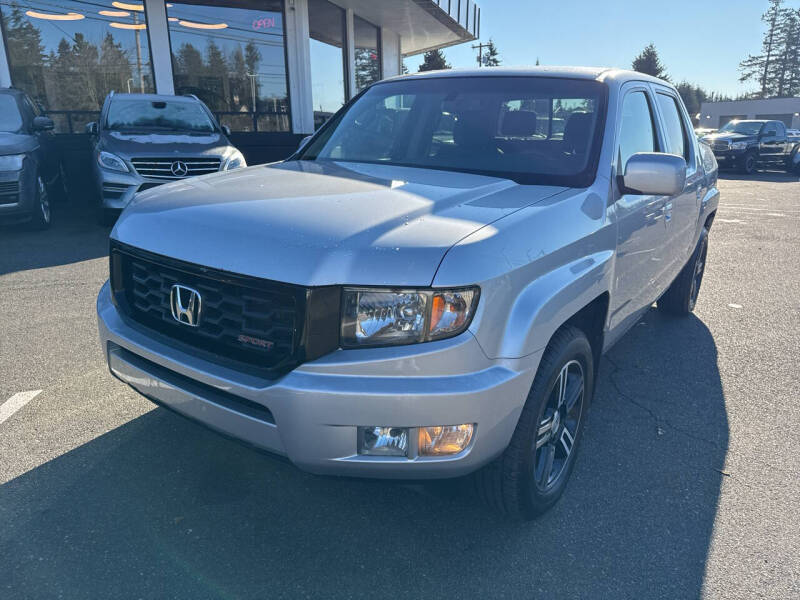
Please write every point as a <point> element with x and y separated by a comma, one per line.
<point>272,70</point>
<point>716,114</point>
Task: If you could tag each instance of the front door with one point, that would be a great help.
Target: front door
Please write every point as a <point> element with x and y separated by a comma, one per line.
<point>640,218</point>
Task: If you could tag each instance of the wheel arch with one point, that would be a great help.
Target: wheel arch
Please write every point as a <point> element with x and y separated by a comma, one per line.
<point>576,294</point>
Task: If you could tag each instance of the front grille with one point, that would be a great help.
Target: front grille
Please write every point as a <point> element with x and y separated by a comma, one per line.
<point>247,321</point>
<point>166,168</point>
<point>721,146</point>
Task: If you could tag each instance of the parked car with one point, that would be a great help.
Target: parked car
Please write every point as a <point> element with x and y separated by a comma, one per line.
<point>30,167</point>
<point>793,135</point>
<point>748,145</point>
<point>145,140</point>
<point>400,301</point>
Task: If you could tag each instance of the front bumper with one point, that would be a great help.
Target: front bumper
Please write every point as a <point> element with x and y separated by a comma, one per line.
<point>311,414</point>
<point>729,156</point>
<point>117,189</point>
<point>18,191</point>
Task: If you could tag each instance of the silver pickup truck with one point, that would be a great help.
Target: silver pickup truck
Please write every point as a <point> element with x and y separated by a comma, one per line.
<point>425,288</point>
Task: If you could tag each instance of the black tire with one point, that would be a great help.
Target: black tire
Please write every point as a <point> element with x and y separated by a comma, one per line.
<point>42,217</point>
<point>681,297</point>
<point>793,162</point>
<point>513,483</point>
<point>749,162</point>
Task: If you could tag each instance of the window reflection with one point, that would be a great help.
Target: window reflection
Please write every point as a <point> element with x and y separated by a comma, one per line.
<point>327,29</point>
<point>231,55</point>
<point>367,54</point>
<point>68,55</point>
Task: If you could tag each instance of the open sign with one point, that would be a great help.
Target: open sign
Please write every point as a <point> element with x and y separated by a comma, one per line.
<point>264,23</point>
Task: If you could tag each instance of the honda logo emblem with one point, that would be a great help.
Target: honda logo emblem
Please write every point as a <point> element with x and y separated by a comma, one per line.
<point>179,169</point>
<point>185,305</point>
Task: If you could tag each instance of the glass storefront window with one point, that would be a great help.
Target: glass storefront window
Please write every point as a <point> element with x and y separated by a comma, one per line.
<point>367,53</point>
<point>231,55</point>
<point>327,28</point>
<point>69,55</point>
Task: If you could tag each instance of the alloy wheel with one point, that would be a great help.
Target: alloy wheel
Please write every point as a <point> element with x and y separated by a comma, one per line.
<point>558,426</point>
<point>44,201</point>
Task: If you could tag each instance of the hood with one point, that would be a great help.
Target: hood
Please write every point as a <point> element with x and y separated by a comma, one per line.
<point>729,137</point>
<point>17,143</point>
<point>321,223</point>
<point>130,145</point>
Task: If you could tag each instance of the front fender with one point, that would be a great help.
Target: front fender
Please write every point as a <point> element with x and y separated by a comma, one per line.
<point>549,301</point>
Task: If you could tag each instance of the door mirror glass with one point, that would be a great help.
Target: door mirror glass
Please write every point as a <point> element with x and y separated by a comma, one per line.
<point>91,128</point>
<point>656,174</point>
<point>43,124</point>
<point>226,130</point>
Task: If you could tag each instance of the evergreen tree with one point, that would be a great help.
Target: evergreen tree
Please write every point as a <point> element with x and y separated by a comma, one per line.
<point>433,60</point>
<point>759,67</point>
<point>115,68</point>
<point>490,58</point>
<point>649,62</point>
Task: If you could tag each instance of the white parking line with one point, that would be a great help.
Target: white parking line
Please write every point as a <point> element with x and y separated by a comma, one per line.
<point>17,401</point>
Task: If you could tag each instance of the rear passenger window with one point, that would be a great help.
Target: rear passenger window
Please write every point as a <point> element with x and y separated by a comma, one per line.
<point>677,141</point>
<point>636,129</point>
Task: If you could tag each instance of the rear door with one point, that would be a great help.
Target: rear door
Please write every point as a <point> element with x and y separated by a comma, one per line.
<point>640,218</point>
<point>681,211</point>
<point>770,143</point>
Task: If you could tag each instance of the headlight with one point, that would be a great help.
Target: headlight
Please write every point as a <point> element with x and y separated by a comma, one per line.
<point>235,161</point>
<point>374,317</point>
<point>11,162</point>
<point>738,145</point>
<point>111,162</point>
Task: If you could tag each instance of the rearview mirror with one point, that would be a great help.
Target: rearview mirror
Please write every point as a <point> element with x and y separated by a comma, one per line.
<point>652,173</point>
<point>304,141</point>
<point>226,130</point>
<point>43,124</point>
<point>91,128</point>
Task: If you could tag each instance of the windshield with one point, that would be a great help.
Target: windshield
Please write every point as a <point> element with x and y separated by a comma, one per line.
<point>743,127</point>
<point>160,115</point>
<point>10,117</point>
<point>530,129</point>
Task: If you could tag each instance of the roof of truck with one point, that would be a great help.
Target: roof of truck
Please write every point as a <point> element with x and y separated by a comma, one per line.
<point>591,73</point>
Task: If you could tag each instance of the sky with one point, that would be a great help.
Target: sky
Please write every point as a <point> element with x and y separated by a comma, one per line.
<point>700,41</point>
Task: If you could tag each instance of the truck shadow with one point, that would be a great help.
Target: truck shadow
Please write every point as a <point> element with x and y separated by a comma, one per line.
<point>160,507</point>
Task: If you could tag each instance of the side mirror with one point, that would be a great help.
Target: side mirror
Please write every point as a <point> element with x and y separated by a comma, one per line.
<point>91,128</point>
<point>226,130</point>
<point>43,124</point>
<point>651,173</point>
<point>304,141</point>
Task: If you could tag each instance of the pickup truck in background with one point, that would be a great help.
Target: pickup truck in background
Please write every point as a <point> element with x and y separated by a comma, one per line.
<point>749,144</point>
<point>425,288</point>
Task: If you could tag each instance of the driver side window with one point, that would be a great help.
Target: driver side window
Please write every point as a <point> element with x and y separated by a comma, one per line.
<point>637,131</point>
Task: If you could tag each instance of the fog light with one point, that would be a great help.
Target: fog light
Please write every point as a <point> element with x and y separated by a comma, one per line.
<point>383,441</point>
<point>444,439</point>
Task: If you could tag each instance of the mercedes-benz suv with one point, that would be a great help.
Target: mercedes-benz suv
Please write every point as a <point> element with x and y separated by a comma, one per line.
<point>144,140</point>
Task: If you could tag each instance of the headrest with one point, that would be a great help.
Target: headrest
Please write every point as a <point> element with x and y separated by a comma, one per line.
<point>519,123</point>
<point>577,131</point>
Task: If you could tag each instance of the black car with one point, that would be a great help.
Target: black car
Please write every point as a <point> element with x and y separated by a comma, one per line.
<point>749,144</point>
<point>30,167</point>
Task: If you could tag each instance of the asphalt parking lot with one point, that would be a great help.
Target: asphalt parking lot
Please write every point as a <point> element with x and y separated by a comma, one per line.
<point>687,484</point>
